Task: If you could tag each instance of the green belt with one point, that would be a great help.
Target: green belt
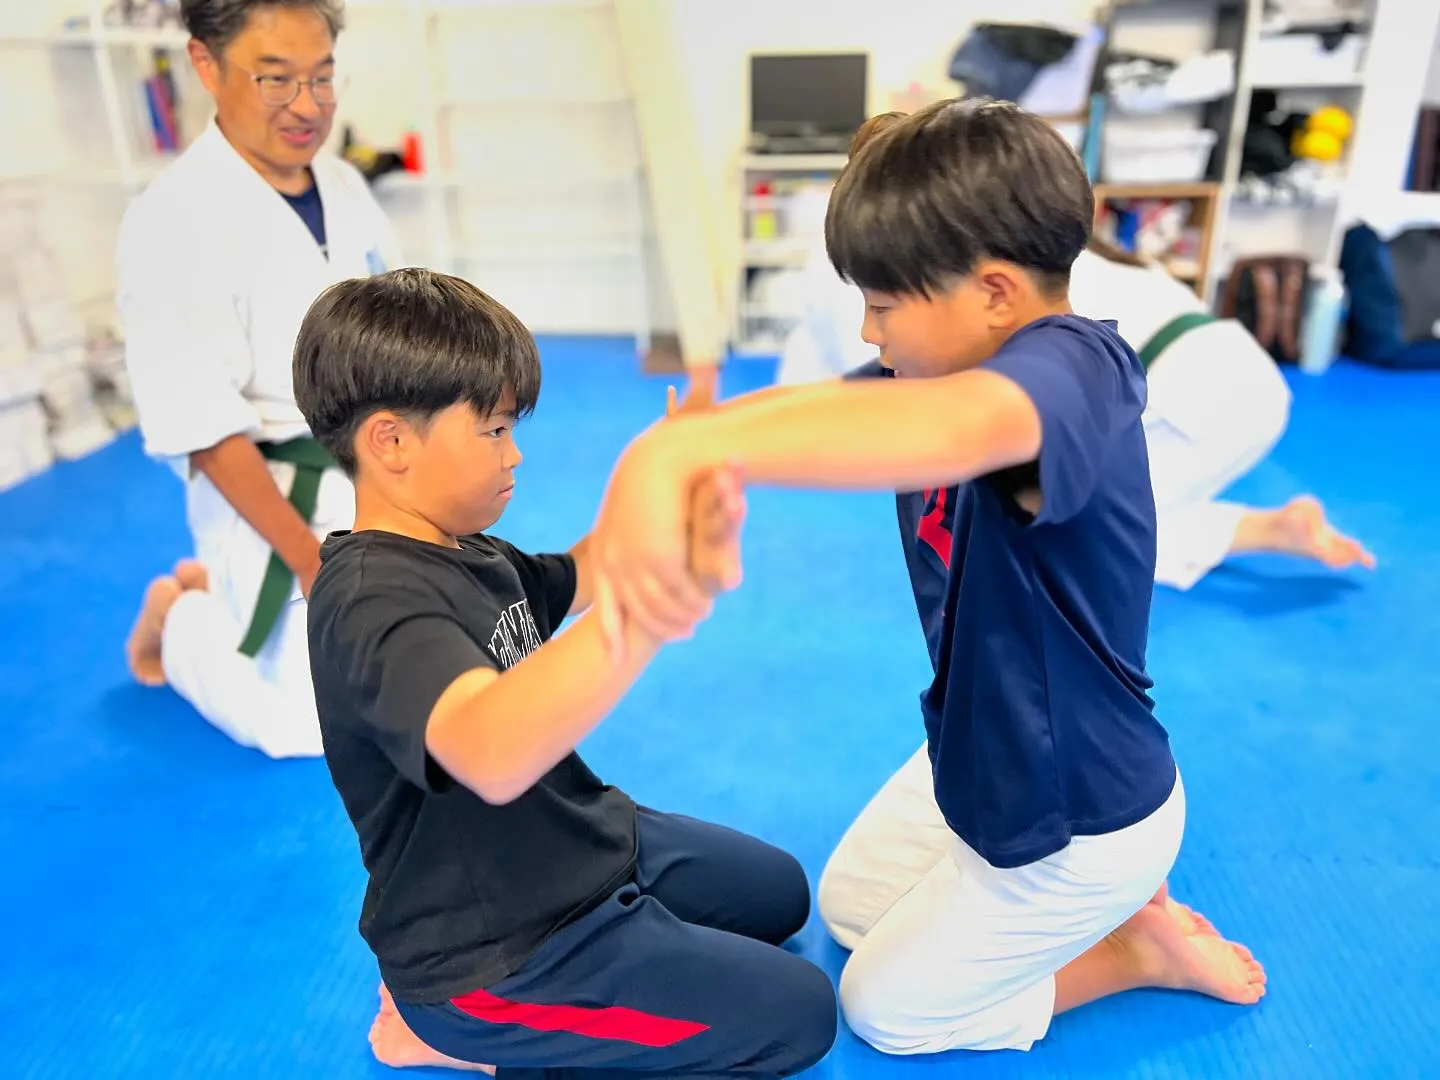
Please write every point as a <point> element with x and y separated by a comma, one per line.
<point>1166,335</point>
<point>310,460</point>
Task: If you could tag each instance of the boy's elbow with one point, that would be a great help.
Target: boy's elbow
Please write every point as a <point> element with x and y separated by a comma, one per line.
<point>471,767</point>
<point>498,790</point>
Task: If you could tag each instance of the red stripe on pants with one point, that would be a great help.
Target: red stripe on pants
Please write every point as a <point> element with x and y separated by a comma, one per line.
<point>610,1022</point>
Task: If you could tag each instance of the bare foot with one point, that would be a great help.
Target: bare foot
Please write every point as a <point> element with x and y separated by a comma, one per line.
<point>394,1044</point>
<point>142,649</point>
<point>1189,920</point>
<point>1203,963</point>
<point>192,575</point>
<point>1300,528</point>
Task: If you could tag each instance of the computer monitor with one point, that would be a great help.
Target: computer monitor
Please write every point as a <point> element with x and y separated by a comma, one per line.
<point>808,94</point>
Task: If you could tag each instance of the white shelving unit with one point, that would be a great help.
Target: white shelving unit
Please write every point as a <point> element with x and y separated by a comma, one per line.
<point>532,185</point>
<point>1363,78</point>
<point>1303,79</point>
<point>1302,74</point>
<point>71,156</point>
<point>1373,77</point>
<point>109,49</point>
<point>773,255</point>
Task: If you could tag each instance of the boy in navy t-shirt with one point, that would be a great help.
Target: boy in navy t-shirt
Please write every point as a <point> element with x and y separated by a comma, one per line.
<point>1015,867</point>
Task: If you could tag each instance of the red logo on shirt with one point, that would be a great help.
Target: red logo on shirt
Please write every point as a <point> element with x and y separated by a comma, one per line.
<point>933,531</point>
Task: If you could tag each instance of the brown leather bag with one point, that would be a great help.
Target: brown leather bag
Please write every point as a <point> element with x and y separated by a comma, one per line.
<point>1266,294</point>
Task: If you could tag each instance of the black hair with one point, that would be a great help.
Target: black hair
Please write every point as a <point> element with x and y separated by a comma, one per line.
<point>412,341</point>
<point>216,23</point>
<point>876,125</point>
<point>932,194</point>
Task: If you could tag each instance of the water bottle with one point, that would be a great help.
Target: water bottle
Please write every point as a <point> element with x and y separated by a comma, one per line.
<point>1324,313</point>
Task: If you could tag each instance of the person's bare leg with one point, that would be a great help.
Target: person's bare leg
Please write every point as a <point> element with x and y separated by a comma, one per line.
<point>142,648</point>
<point>192,575</point>
<point>1151,950</point>
<point>394,1044</point>
<point>1299,528</point>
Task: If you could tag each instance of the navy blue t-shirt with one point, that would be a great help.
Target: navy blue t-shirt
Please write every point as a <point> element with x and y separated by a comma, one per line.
<point>1039,719</point>
<point>312,212</point>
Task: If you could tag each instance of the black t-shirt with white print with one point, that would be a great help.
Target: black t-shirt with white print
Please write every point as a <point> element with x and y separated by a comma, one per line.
<point>461,892</point>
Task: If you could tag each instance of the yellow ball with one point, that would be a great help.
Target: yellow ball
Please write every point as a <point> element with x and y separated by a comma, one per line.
<point>1331,121</point>
<point>1318,146</point>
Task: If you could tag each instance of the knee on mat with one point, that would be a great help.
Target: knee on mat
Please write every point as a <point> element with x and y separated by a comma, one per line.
<point>893,1013</point>
<point>810,1008</point>
<point>871,1013</point>
<point>888,1009</point>
<point>789,891</point>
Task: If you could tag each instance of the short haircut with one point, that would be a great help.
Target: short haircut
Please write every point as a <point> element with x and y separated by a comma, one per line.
<point>876,125</point>
<point>411,341</point>
<point>929,196</point>
<point>216,23</point>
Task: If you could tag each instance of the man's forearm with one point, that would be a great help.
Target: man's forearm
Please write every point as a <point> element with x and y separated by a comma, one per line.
<point>240,473</point>
<point>890,434</point>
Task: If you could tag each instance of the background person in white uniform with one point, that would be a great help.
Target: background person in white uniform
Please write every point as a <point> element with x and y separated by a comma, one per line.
<point>218,262</point>
<point>1217,406</point>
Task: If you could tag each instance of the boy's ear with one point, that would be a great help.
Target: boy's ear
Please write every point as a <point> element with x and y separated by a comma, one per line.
<point>1002,287</point>
<point>383,439</point>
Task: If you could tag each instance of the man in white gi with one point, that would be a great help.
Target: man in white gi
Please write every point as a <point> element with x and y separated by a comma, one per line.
<point>217,263</point>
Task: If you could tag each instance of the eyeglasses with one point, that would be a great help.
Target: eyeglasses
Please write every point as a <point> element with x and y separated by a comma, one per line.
<point>277,91</point>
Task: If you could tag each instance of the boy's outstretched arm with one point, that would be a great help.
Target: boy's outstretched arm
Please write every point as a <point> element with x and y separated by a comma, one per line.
<point>716,510</point>
<point>891,434</point>
<point>573,681</point>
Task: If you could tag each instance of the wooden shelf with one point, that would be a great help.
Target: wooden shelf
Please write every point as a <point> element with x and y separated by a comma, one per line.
<point>1204,199</point>
<point>1204,190</point>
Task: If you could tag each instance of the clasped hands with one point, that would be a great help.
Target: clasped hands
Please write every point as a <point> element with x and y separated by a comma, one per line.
<point>667,538</point>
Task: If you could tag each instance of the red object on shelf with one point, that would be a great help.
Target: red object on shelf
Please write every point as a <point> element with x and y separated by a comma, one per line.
<point>410,153</point>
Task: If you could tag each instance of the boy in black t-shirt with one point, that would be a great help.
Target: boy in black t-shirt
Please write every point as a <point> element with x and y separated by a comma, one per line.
<point>524,914</point>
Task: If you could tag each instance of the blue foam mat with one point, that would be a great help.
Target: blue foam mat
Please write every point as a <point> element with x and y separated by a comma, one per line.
<point>178,907</point>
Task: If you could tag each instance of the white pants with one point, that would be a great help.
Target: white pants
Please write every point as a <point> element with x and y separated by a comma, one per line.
<point>951,953</point>
<point>1217,407</point>
<point>267,703</point>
